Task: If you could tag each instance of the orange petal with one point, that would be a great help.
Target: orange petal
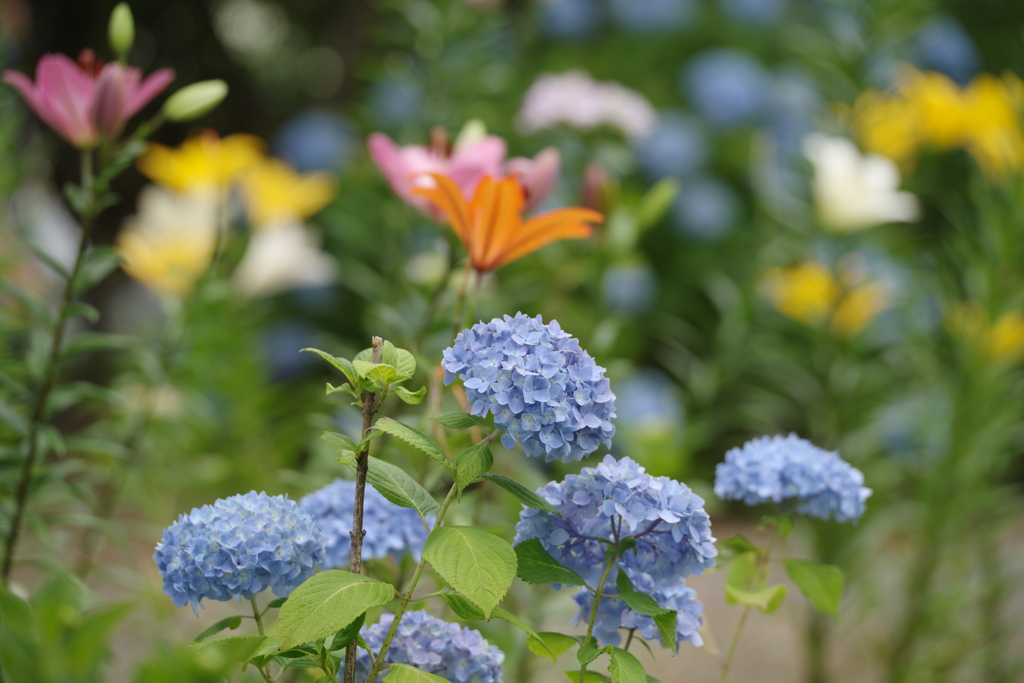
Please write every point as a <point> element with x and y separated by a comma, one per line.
<point>447,197</point>
<point>549,227</point>
<point>504,222</point>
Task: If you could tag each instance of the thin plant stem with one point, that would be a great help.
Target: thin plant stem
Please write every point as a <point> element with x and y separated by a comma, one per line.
<point>598,594</point>
<point>357,533</point>
<point>629,639</point>
<point>762,567</point>
<point>50,373</point>
<point>259,627</point>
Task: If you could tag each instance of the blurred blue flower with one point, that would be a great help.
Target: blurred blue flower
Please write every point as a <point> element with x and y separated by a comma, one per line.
<point>730,88</point>
<point>238,547</point>
<point>316,140</point>
<point>647,401</point>
<point>706,208</point>
<point>390,529</point>
<point>615,499</point>
<point>676,147</point>
<point>613,614</point>
<point>945,46</point>
<point>570,19</point>
<point>541,387</point>
<point>629,287</point>
<point>754,12</point>
<point>453,652</point>
<point>281,345</point>
<point>395,101</point>
<point>652,16</point>
<point>781,468</point>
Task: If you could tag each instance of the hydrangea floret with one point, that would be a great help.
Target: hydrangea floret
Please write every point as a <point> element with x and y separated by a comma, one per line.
<point>453,652</point>
<point>542,388</point>
<point>614,614</point>
<point>390,530</point>
<point>782,468</point>
<point>238,547</point>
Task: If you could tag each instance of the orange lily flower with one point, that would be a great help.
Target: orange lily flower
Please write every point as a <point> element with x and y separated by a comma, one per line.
<point>491,225</point>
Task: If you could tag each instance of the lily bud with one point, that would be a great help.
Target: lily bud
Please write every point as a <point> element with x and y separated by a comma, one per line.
<point>121,30</point>
<point>195,100</point>
<point>473,131</point>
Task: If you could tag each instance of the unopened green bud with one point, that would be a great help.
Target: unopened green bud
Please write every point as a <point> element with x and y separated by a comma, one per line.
<point>121,29</point>
<point>472,132</point>
<point>194,100</point>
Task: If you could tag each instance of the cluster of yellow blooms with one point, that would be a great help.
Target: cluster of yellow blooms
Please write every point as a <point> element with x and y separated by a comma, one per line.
<point>181,221</point>
<point>928,110</point>
<point>1002,340</point>
<point>812,294</point>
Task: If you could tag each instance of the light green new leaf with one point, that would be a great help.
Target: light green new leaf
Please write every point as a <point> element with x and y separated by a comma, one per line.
<point>411,397</point>
<point>405,363</point>
<point>403,673</point>
<point>326,603</point>
<point>549,644</point>
<point>767,599</point>
<point>381,372</point>
<point>471,464</point>
<point>413,437</point>
<point>394,484</point>
<point>822,584</point>
<point>502,613</point>
<point>525,495</point>
<point>536,566</point>
<point>586,654</point>
<point>459,420</point>
<point>233,648</point>
<point>477,564</point>
<point>341,364</point>
<point>340,440</point>
<point>625,668</point>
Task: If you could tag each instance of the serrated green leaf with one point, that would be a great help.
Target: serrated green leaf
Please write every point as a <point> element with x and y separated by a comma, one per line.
<point>502,613</point>
<point>625,668</point>
<point>767,599</point>
<point>550,645</point>
<point>413,437</point>
<point>233,648</point>
<point>588,677</point>
<point>479,565</point>
<point>340,440</point>
<point>536,566</point>
<point>343,365</point>
<point>822,584</point>
<point>99,263</point>
<point>327,602</point>
<point>403,673</point>
<point>388,354</point>
<point>346,635</point>
<point>664,619</point>
<point>385,374</point>
<point>230,623</point>
<point>405,363</point>
<point>459,420</point>
<point>411,397</point>
<point>586,654</point>
<point>643,604</point>
<point>463,607</point>
<point>342,389</point>
<point>525,495</point>
<point>394,484</point>
<point>471,464</point>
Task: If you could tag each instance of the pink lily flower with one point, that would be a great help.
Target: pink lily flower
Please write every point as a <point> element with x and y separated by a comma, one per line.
<point>83,106</point>
<point>410,167</point>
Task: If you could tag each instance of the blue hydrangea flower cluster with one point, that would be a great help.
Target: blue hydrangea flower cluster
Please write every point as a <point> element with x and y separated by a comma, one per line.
<point>541,387</point>
<point>444,649</point>
<point>618,499</point>
<point>782,468</point>
<point>238,547</point>
<point>613,615</point>
<point>390,529</point>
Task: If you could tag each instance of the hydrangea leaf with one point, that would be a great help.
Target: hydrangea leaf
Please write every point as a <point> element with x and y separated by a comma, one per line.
<point>349,633</point>
<point>537,566</point>
<point>549,644</point>
<point>411,397</point>
<point>233,648</point>
<point>502,613</point>
<point>731,547</point>
<point>743,571</point>
<point>327,602</point>
<point>587,653</point>
<point>383,373</point>
<point>588,677</point>
<point>625,668</point>
<point>459,420</point>
<point>405,363</point>
<point>230,623</point>
<point>346,447</point>
<point>276,603</point>
<point>394,484</point>
<point>664,619</point>
<point>388,354</point>
<point>623,583</point>
<point>403,673</point>
<point>525,495</point>
<point>767,599</point>
<point>462,607</point>
<point>477,564</point>
<point>413,437</point>
<point>343,365</point>
<point>822,584</point>
<point>471,464</point>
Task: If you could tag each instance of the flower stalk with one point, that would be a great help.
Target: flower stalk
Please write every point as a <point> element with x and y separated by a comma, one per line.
<point>598,594</point>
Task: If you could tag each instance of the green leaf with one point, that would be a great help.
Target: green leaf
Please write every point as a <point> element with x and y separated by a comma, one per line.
<point>625,668</point>
<point>656,202</point>
<point>341,364</point>
<point>733,546</point>
<point>404,362</point>
<point>550,645</point>
<point>346,635</point>
<point>471,464</point>
<point>411,397</point>
<point>233,648</point>
<point>388,354</point>
<point>459,420</point>
<point>86,342</point>
<point>327,602</point>
<point>80,308</point>
<point>586,654</point>
<point>623,583</point>
<point>502,613</point>
<point>403,673</point>
<point>51,261</point>
<point>664,619</point>
<point>536,566</point>
<point>589,677</point>
<point>783,524</point>
<point>15,420</point>
<point>743,572</point>
<point>339,440</point>
<point>822,584</point>
<point>230,623</point>
<point>413,437</point>
<point>383,373</point>
<point>97,265</point>
<point>463,607</point>
<point>276,603</point>
<point>525,495</point>
<point>767,599</point>
<point>477,564</point>
<point>343,389</point>
<point>394,484</point>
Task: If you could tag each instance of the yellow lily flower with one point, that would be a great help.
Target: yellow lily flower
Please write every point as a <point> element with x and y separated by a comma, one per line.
<point>276,194</point>
<point>205,160</point>
<point>1002,340</point>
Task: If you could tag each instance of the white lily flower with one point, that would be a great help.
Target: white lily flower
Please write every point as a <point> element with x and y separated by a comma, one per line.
<point>282,257</point>
<point>854,191</point>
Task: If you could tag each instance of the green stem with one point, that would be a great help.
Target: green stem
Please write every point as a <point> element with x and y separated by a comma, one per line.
<point>259,627</point>
<point>378,663</point>
<point>49,374</point>
<point>762,568</point>
<point>629,639</point>
<point>598,594</point>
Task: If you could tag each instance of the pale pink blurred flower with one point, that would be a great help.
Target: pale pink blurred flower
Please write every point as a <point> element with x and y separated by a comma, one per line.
<point>578,101</point>
<point>82,105</point>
